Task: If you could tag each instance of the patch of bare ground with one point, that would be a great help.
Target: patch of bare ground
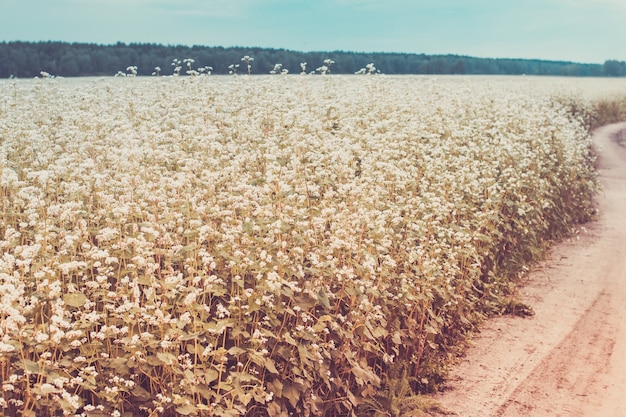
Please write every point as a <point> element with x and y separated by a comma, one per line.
<point>569,359</point>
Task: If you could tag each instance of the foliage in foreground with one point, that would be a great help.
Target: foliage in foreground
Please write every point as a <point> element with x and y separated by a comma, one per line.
<point>266,246</point>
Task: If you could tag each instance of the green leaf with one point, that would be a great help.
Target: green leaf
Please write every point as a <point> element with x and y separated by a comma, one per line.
<point>304,354</point>
<point>285,227</point>
<point>141,393</point>
<point>119,365</point>
<point>31,366</point>
<point>274,410</point>
<point>305,302</point>
<point>258,181</point>
<point>187,410</point>
<point>287,338</point>
<point>166,358</point>
<point>194,349</point>
<point>244,377</point>
<point>188,249</point>
<point>211,375</point>
<point>190,336</point>
<point>74,299</point>
<point>236,351</point>
<point>270,366</point>
<point>322,298</point>
<point>145,280</point>
<point>275,387</point>
<point>282,161</point>
<point>152,360</point>
<point>376,331</point>
<point>291,391</point>
<point>45,389</point>
<point>430,329</point>
<point>247,227</point>
<point>365,376</point>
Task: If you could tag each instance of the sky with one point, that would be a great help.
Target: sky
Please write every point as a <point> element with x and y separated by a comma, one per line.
<point>586,31</point>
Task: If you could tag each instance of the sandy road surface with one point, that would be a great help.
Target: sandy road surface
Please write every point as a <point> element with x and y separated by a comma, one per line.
<point>570,358</point>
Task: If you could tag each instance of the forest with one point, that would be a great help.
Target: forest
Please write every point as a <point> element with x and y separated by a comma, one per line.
<point>30,59</point>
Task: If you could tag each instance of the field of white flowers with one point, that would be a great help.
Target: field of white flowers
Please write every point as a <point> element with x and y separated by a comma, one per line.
<point>268,245</point>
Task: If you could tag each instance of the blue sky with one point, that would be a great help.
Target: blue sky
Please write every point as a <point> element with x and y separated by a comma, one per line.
<point>571,30</point>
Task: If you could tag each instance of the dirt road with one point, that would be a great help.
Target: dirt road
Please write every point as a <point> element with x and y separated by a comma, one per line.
<point>570,358</point>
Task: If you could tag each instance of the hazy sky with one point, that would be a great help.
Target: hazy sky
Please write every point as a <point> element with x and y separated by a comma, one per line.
<point>571,30</point>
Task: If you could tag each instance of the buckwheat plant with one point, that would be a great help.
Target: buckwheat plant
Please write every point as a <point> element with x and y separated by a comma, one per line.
<point>206,70</point>
<point>190,71</point>
<point>328,63</point>
<point>277,69</point>
<point>245,247</point>
<point>176,63</point>
<point>369,69</point>
<point>248,61</point>
<point>131,71</point>
<point>323,69</point>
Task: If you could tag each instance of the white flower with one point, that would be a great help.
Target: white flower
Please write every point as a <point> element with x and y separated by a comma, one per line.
<point>8,178</point>
<point>6,348</point>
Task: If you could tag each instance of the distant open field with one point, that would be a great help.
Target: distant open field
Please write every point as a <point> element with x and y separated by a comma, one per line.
<point>273,245</point>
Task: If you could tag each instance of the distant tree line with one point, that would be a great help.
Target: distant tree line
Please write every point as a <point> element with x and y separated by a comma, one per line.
<point>29,59</point>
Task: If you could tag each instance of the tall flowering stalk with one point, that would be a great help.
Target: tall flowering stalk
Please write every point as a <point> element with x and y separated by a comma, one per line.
<point>248,61</point>
<point>176,63</point>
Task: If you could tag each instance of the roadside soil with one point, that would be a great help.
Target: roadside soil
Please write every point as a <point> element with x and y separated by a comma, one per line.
<point>569,359</point>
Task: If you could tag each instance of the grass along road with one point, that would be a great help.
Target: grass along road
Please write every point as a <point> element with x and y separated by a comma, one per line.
<point>570,358</point>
